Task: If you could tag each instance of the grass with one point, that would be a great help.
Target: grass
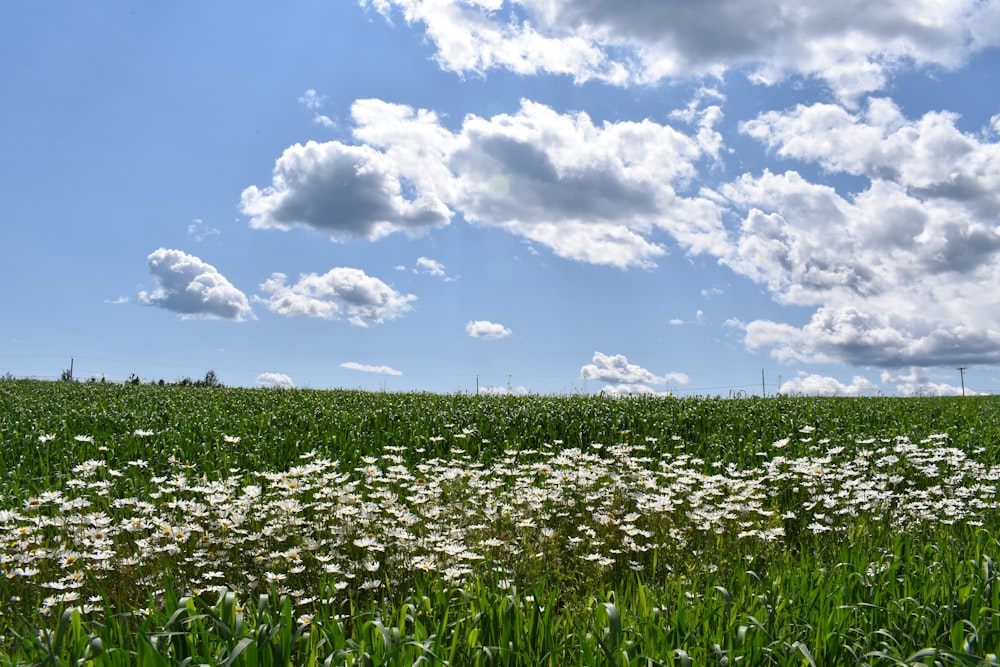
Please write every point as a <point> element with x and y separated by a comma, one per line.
<point>186,525</point>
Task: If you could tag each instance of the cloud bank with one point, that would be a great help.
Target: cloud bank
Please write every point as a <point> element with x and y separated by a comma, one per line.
<point>896,273</point>
<point>886,268</point>
<point>853,48</point>
<point>592,193</point>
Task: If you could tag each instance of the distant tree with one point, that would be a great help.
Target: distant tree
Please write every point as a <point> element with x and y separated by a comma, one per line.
<point>210,380</point>
<point>7,377</point>
<point>132,379</point>
<point>66,375</point>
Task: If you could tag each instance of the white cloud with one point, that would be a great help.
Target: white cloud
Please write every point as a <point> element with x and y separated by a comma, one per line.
<point>590,193</point>
<point>431,267</point>
<point>820,385</point>
<point>928,157</point>
<point>917,382</point>
<point>198,231</point>
<point>699,318</point>
<point>624,377</point>
<point>891,268</point>
<point>324,121</point>
<point>340,292</point>
<point>344,191</point>
<point>311,99</point>
<point>365,368</point>
<point>630,390</point>
<point>876,338</point>
<point>278,380</point>
<point>486,330</point>
<point>190,287</point>
<point>852,48</point>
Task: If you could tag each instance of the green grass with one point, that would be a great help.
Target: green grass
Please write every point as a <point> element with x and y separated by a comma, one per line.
<point>192,525</point>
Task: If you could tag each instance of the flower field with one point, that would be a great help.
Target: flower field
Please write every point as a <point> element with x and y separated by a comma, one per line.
<point>184,525</point>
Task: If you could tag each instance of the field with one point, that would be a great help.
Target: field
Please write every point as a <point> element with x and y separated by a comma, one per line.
<point>165,525</point>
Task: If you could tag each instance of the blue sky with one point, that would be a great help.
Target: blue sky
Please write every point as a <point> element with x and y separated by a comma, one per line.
<point>548,196</point>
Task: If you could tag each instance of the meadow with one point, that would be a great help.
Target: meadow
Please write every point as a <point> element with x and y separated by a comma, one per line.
<point>166,525</point>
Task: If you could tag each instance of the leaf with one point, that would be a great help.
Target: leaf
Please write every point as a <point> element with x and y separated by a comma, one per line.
<point>241,646</point>
<point>804,650</point>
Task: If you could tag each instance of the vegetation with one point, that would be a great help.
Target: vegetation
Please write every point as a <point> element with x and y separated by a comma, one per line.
<point>170,525</point>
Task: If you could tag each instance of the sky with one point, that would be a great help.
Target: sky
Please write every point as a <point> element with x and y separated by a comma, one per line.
<point>726,197</point>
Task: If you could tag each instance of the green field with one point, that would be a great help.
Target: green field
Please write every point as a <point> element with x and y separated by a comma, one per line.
<point>165,525</point>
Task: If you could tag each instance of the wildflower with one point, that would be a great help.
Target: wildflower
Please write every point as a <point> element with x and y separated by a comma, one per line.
<point>369,542</point>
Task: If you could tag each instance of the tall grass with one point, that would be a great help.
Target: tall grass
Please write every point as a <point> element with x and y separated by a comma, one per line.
<point>184,525</point>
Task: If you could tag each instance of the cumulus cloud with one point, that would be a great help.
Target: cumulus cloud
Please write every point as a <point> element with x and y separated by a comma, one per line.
<point>623,42</point>
<point>188,286</point>
<point>277,380</point>
<point>340,190</point>
<point>365,368</point>
<point>876,338</point>
<point>888,268</point>
<point>592,193</point>
<point>917,382</point>
<point>819,385</point>
<point>339,293</point>
<point>624,377</point>
<point>486,330</point>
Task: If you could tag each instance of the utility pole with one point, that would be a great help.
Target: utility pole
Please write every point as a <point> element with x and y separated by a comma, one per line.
<point>763,391</point>
<point>961,369</point>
